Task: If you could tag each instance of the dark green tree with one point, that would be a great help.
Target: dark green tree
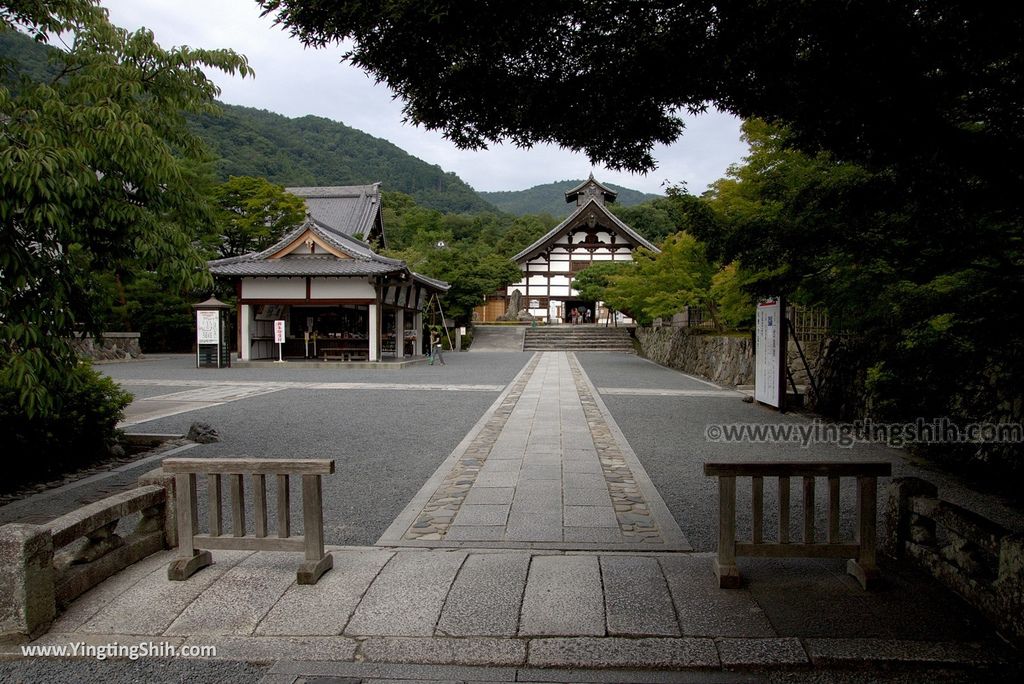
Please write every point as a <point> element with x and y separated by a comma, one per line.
<point>96,169</point>
<point>253,214</point>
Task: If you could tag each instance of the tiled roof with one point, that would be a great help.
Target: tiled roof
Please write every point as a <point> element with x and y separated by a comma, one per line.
<point>640,240</point>
<point>316,265</point>
<point>363,262</point>
<point>570,195</point>
<point>346,209</point>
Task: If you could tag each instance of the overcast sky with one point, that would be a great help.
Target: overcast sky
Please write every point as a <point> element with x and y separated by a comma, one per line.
<point>296,81</point>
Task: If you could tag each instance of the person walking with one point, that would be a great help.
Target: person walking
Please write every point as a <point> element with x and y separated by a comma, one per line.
<point>435,349</point>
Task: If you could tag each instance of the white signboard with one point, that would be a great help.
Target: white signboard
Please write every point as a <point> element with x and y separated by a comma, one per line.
<point>207,327</point>
<point>279,332</point>
<point>768,355</point>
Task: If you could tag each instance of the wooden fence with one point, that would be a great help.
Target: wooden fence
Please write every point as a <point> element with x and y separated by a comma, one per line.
<point>194,548</point>
<point>861,550</point>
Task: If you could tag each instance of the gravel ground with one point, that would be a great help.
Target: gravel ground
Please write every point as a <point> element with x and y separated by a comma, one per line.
<point>628,370</point>
<point>462,368</point>
<point>386,443</point>
<point>667,434</point>
<point>148,671</point>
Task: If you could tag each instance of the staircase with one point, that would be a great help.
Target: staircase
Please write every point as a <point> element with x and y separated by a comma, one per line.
<point>578,338</point>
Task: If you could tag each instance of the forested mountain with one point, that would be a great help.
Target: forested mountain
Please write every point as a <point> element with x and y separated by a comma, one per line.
<point>312,150</point>
<point>306,151</point>
<point>550,198</point>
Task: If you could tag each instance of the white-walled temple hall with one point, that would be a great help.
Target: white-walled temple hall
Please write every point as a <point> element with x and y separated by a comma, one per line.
<point>590,234</point>
<point>340,300</point>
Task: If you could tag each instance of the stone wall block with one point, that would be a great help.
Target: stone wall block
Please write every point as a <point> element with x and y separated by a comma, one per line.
<point>898,513</point>
<point>170,521</point>
<point>1009,586</point>
<point>27,604</point>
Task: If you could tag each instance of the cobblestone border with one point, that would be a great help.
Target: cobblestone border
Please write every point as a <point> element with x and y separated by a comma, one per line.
<point>436,518</point>
<point>631,508</point>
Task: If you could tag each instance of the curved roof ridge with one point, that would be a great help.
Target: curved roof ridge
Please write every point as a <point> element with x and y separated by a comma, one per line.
<point>639,239</point>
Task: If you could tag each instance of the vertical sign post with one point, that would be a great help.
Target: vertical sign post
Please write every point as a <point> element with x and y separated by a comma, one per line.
<point>212,334</point>
<point>279,339</point>
<point>770,354</point>
<point>207,332</point>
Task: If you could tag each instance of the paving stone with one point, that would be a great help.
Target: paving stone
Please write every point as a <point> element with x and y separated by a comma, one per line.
<point>771,652</point>
<point>574,496</point>
<point>490,495</point>
<point>563,596</point>
<point>582,466</point>
<point>482,514</point>
<point>538,498</point>
<point>475,533</point>
<point>240,599</point>
<point>407,597</point>
<point>571,454</point>
<point>486,597</point>
<point>153,603</point>
<point>619,652</point>
<point>704,609</point>
<point>509,465</point>
<point>589,516</point>
<point>823,652</point>
<point>540,472</point>
<point>93,601</point>
<point>637,600</point>
<point>497,479</point>
<point>405,672</point>
<point>325,607</point>
<point>536,526</point>
<point>438,651</point>
<point>267,649</point>
<point>593,535</point>
<point>583,481</point>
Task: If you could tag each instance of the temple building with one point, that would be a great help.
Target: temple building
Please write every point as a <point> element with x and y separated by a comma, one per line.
<point>339,300</point>
<point>591,233</point>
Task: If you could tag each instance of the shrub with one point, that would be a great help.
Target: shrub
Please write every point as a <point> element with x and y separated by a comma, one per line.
<point>78,431</point>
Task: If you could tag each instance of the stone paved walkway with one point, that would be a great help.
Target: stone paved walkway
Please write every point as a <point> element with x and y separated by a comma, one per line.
<point>546,467</point>
<point>532,615</point>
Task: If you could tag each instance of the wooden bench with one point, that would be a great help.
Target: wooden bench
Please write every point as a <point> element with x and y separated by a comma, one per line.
<point>861,550</point>
<point>194,548</point>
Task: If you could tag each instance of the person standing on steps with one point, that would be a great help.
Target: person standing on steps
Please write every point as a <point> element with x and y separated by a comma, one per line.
<point>435,348</point>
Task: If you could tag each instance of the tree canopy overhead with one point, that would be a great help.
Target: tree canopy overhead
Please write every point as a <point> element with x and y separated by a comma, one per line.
<point>874,82</point>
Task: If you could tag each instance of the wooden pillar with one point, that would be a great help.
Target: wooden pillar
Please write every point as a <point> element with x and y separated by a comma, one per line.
<point>864,567</point>
<point>373,331</point>
<point>417,325</point>
<point>725,564</point>
<point>399,333</point>
<point>244,335</point>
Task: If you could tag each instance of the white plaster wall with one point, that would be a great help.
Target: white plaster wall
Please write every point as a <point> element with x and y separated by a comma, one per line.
<point>341,288</point>
<point>273,288</point>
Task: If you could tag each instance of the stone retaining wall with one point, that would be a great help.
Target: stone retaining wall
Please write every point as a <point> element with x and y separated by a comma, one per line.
<point>981,561</point>
<point>724,359</point>
<point>110,346</point>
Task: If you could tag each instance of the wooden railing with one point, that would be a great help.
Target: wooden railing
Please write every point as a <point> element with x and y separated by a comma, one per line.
<point>194,548</point>
<point>861,550</point>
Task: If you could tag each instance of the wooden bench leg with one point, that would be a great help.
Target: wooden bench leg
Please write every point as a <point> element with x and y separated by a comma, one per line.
<point>725,563</point>
<point>190,560</point>
<point>317,562</point>
<point>864,567</point>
